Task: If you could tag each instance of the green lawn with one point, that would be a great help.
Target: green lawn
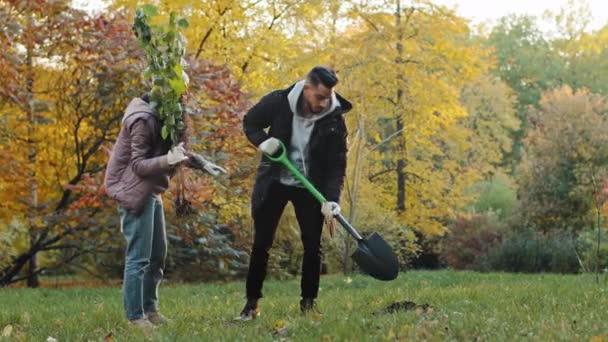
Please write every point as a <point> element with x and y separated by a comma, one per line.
<point>466,306</point>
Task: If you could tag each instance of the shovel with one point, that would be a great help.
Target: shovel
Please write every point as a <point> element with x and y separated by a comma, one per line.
<point>373,255</point>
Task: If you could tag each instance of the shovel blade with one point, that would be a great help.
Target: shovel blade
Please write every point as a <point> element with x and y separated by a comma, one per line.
<point>376,258</point>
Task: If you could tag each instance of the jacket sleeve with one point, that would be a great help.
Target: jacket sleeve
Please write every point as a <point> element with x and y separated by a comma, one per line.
<point>141,146</point>
<point>336,163</point>
<point>258,118</point>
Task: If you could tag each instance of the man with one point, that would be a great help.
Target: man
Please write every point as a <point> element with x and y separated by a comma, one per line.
<point>137,174</point>
<point>307,118</point>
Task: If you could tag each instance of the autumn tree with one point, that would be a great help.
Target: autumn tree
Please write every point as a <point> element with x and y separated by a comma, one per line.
<point>264,44</point>
<point>566,159</point>
<point>584,50</point>
<point>404,67</point>
<point>73,73</point>
<point>526,62</point>
<point>492,121</point>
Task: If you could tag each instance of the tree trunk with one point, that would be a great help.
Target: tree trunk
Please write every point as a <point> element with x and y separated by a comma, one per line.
<point>401,162</point>
<point>353,191</point>
<point>32,280</point>
<point>401,151</point>
<point>32,276</point>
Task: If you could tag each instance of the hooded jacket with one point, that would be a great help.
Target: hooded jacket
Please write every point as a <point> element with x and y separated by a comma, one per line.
<point>325,151</point>
<point>138,164</point>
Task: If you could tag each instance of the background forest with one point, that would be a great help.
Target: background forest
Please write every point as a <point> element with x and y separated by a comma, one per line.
<point>470,147</point>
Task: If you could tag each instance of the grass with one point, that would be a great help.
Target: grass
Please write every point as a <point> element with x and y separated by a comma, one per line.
<point>466,306</point>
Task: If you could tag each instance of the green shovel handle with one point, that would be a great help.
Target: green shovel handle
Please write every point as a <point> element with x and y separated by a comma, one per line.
<point>282,159</point>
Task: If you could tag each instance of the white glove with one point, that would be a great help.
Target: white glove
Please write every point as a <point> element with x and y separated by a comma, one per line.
<point>213,169</point>
<point>199,162</point>
<point>270,146</point>
<point>330,209</point>
<point>176,155</point>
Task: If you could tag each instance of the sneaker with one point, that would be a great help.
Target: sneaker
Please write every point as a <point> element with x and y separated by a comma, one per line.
<point>308,305</point>
<point>156,318</point>
<point>142,323</point>
<point>250,311</point>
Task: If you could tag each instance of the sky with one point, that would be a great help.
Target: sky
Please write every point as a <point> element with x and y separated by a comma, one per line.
<point>478,11</point>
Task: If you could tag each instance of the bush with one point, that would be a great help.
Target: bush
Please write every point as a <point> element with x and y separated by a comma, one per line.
<point>205,250</point>
<point>428,255</point>
<point>587,248</point>
<point>530,251</point>
<point>470,240</point>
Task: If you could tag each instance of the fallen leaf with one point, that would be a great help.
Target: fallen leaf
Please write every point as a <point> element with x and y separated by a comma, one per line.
<point>279,329</point>
<point>7,331</point>
<point>51,339</point>
<point>109,337</point>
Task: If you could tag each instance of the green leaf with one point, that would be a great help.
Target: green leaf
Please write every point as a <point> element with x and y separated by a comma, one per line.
<point>178,85</point>
<point>183,23</point>
<point>150,10</point>
<point>178,69</point>
<point>172,17</point>
<point>170,37</point>
<point>164,132</point>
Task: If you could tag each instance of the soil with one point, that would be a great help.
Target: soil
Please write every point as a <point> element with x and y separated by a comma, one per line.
<point>405,305</point>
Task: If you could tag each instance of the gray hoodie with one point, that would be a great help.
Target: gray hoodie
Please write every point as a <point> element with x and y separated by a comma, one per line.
<point>301,129</point>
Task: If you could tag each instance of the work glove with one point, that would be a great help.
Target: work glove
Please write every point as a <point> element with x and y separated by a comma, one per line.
<point>270,146</point>
<point>176,155</point>
<point>330,210</point>
<point>199,162</point>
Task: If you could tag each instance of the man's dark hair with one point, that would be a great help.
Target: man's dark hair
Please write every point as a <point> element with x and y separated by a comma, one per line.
<point>322,75</point>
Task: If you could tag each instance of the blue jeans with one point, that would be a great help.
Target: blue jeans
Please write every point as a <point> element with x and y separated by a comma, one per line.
<point>145,257</point>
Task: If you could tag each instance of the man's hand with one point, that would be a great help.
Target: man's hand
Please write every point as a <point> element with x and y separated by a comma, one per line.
<point>270,146</point>
<point>176,155</point>
<point>330,209</point>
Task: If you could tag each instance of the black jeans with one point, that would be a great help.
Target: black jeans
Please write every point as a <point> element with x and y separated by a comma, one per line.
<point>266,219</point>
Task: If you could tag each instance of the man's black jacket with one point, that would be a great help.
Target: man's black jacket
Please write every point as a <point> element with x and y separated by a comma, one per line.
<point>327,145</point>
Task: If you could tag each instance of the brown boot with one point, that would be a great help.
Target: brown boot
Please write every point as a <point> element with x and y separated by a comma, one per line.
<point>142,323</point>
<point>156,318</point>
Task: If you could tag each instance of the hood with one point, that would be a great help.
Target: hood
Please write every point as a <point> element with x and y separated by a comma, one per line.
<point>137,108</point>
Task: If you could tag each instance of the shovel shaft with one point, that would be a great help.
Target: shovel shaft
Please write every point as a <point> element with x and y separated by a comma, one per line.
<point>282,158</point>
<point>348,227</point>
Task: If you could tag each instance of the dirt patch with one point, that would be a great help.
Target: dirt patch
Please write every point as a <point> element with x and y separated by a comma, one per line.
<point>405,305</point>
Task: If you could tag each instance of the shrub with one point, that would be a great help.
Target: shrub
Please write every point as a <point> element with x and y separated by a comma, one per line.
<point>530,251</point>
<point>587,248</point>
<point>470,240</point>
